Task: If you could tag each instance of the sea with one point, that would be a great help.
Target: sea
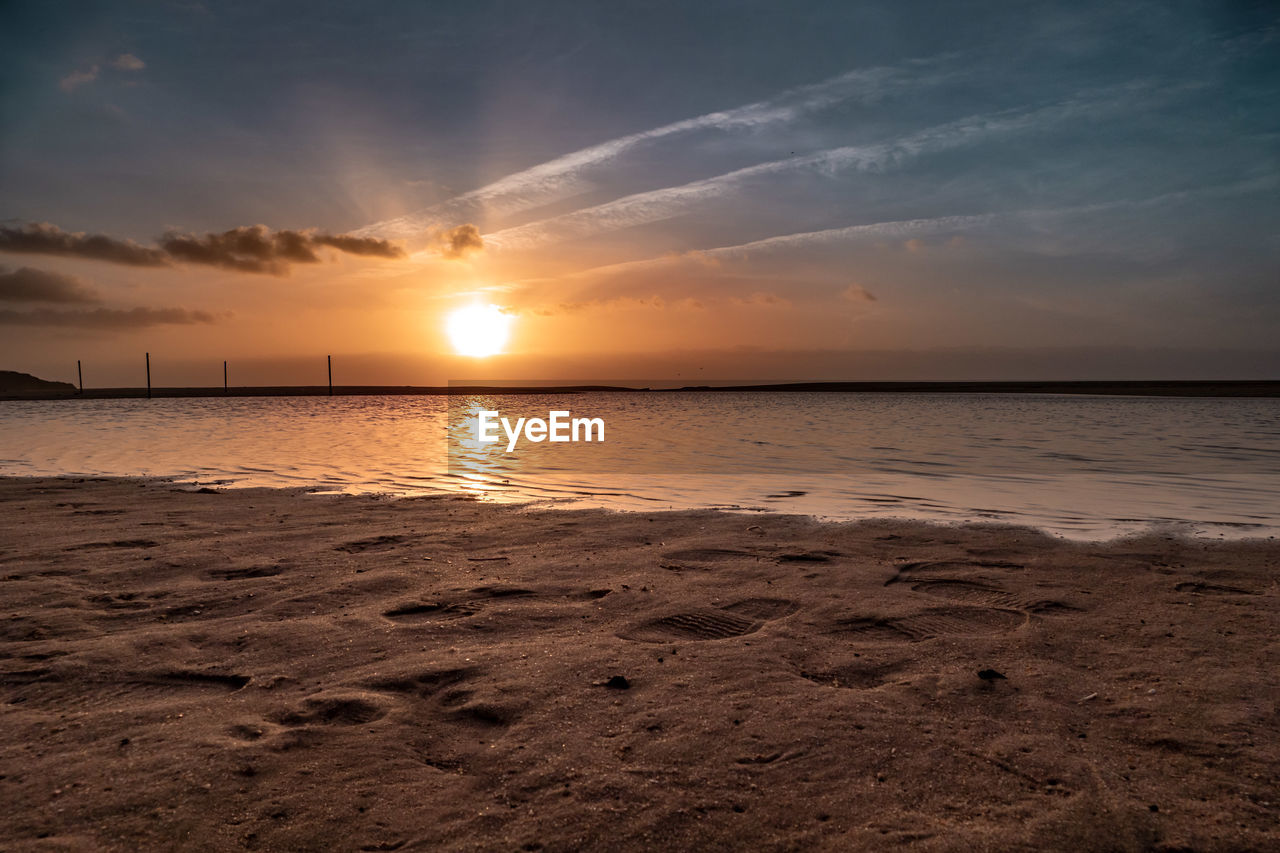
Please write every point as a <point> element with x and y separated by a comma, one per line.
<point>1078,466</point>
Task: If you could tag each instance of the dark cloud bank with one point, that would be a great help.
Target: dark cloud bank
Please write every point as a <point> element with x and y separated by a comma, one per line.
<point>41,238</point>
<point>248,249</point>
<point>106,318</point>
<point>29,285</point>
<point>257,249</point>
<point>32,285</point>
<point>251,249</point>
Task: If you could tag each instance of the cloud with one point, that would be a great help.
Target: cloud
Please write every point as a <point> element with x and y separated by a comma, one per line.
<point>249,249</point>
<point>246,249</point>
<point>106,318</point>
<point>42,238</point>
<point>128,62</point>
<point>762,298</point>
<point>705,270</point>
<point>458,242</point>
<point>368,246</point>
<point>566,175</point>
<point>124,62</point>
<point>258,249</point>
<point>858,293</point>
<point>76,79</point>
<point>714,257</point>
<point>716,272</point>
<point>655,205</point>
<point>32,285</point>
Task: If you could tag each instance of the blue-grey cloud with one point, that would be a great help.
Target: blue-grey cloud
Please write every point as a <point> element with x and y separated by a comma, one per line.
<point>106,318</point>
<point>258,249</point>
<point>249,249</point>
<point>27,284</point>
<point>128,62</point>
<point>76,79</point>
<point>43,238</point>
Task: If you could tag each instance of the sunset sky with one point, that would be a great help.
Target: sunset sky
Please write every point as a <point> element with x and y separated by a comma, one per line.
<point>739,191</point>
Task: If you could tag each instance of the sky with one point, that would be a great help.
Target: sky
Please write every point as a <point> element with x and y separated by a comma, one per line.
<point>723,191</point>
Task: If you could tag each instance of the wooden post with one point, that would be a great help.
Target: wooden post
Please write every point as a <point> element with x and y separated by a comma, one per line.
<point>330,375</point>
<point>224,377</point>
<point>80,375</point>
<point>148,376</point>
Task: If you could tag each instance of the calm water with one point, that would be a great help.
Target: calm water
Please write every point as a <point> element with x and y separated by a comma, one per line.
<point>1087,467</point>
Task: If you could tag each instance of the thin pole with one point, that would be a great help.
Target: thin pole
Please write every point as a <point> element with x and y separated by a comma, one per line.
<point>330,374</point>
<point>148,376</point>
<point>224,377</point>
<point>80,375</point>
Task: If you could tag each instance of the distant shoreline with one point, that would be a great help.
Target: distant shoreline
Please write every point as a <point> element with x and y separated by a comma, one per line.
<point>1145,388</point>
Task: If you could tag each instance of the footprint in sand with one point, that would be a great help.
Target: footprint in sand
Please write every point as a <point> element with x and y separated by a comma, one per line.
<point>709,555</point>
<point>118,543</point>
<point>719,623</point>
<point>448,690</point>
<point>244,573</point>
<point>338,710</point>
<point>120,601</point>
<point>461,608</point>
<point>925,577</point>
<point>1203,588</point>
<point>857,675</point>
<point>422,684</point>
<point>433,611</point>
<point>936,622</point>
<point>473,601</point>
<point>305,726</point>
<point>990,595</point>
<point>808,556</point>
<point>186,678</point>
<point>375,543</point>
<point>908,572</point>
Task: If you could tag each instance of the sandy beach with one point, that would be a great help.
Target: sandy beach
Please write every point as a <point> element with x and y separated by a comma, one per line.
<point>272,670</point>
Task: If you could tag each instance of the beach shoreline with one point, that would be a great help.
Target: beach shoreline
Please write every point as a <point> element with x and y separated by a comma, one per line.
<point>274,669</point>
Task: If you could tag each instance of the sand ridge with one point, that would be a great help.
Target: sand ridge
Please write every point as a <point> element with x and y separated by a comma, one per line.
<point>266,669</point>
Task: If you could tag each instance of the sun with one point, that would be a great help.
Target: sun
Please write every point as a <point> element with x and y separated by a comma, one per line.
<point>478,330</point>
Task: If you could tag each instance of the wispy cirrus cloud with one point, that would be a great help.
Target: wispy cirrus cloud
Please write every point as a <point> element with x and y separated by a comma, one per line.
<point>655,205</point>
<point>908,229</point>
<point>723,269</point>
<point>569,175</point>
<point>623,281</point>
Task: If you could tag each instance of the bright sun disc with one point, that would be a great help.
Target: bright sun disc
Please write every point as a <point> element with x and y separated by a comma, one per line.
<point>478,330</point>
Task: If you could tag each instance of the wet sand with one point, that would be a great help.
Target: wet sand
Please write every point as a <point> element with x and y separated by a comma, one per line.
<point>272,670</point>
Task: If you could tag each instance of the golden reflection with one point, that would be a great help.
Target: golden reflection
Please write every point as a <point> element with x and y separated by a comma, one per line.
<point>480,466</point>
